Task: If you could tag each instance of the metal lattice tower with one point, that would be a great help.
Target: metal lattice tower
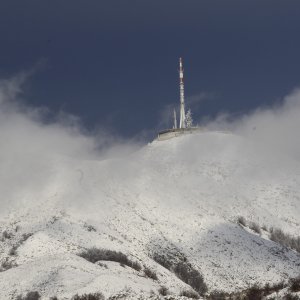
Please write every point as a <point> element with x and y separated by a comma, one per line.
<point>181,85</point>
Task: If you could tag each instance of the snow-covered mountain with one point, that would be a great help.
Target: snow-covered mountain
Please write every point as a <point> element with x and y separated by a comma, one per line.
<point>176,200</point>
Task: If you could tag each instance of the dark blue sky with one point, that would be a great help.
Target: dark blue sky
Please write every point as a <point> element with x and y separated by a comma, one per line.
<point>114,63</point>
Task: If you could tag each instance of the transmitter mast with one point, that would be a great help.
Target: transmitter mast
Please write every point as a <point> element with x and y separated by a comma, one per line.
<point>175,119</point>
<point>181,86</point>
<point>185,124</point>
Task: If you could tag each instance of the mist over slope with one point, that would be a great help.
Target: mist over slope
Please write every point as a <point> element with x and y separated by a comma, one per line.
<point>178,196</point>
<point>176,200</point>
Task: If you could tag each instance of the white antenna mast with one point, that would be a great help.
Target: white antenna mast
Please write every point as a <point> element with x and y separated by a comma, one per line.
<point>181,85</point>
<point>175,120</point>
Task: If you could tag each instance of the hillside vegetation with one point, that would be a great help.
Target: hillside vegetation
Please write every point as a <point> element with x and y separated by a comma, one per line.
<point>190,216</point>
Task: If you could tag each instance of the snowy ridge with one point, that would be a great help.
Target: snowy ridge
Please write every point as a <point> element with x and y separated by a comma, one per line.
<point>183,194</point>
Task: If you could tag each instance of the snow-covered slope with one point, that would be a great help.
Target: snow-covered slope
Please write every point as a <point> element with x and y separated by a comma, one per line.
<point>179,197</point>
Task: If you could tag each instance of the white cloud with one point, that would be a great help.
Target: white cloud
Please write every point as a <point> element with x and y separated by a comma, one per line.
<point>275,128</point>
<point>31,149</point>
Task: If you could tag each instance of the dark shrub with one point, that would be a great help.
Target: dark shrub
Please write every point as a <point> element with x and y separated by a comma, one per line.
<point>162,260</point>
<point>267,288</point>
<point>6,235</point>
<point>254,293</point>
<point>13,250</point>
<point>278,286</point>
<point>25,237</point>
<point>183,270</point>
<point>242,221</point>
<point>255,227</point>
<point>104,265</point>
<point>6,265</point>
<point>216,295</point>
<point>291,297</point>
<point>94,254</point>
<point>295,284</point>
<point>192,277</point>
<point>53,298</point>
<point>30,296</point>
<point>278,236</point>
<point>149,273</point>
<point>190,294</point>
<point>89,227</point>
<point>96,296</point>
<point>163,291</point>
<point>135,265</point>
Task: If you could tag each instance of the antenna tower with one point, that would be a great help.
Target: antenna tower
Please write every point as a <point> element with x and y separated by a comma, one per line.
<point>181,86</point>
<point>175,119</point>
